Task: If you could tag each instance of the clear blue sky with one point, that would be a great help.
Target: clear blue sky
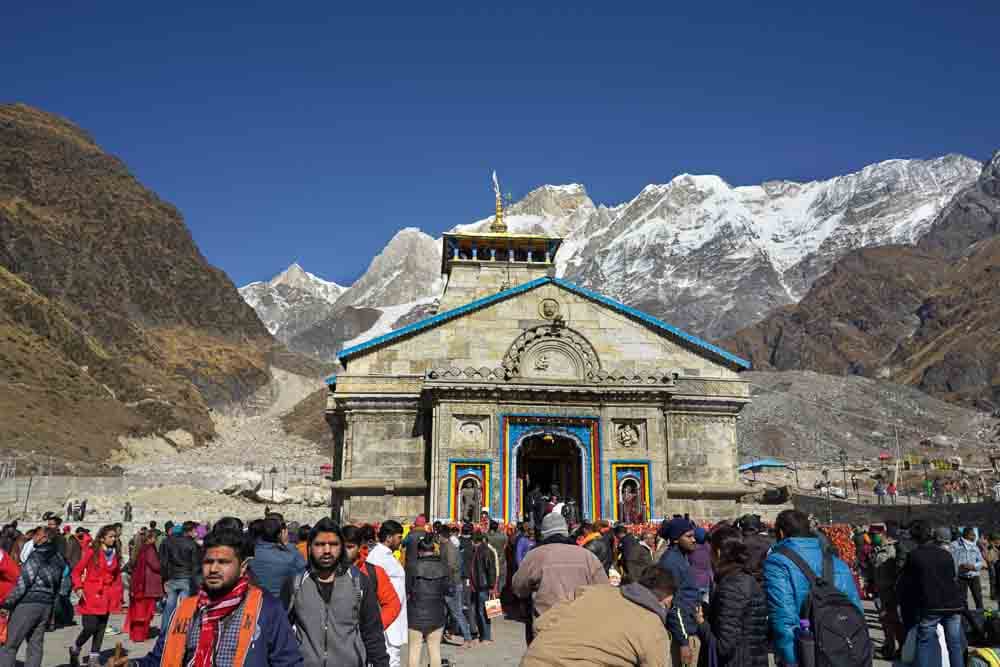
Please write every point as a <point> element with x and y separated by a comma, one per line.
<point>293,131</point>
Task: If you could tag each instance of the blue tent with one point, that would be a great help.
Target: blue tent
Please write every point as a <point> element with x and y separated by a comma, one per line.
<point>761,464</point>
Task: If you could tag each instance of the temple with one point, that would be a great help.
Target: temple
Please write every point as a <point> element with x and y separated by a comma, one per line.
<point>524,383</point>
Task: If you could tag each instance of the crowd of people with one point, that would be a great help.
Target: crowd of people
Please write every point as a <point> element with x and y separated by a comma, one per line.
<point>267,592</point>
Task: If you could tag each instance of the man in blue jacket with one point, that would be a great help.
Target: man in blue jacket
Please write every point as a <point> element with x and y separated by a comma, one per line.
<point>787,587</point>
<point>273,561</point>
<point>230,623</point>
<point>680,619</point>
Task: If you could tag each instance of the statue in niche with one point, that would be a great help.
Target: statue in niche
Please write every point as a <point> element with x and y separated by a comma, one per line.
<point>628,435</point>
<point>630,509</point>
<point>470,501</point>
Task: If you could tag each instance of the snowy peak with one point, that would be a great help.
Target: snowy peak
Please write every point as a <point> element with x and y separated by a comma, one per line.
<point>291,301</point>
<point>696,251</point>
<point>296,277</point>
<point>407,269</point>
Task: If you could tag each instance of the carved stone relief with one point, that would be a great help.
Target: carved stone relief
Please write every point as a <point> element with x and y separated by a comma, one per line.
<point>470,431</point>
<point>551,351</point>
<point>548,308</point>
<point>629,434</point>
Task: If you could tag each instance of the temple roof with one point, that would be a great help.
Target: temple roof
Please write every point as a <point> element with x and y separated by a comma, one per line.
<point>684,338</point>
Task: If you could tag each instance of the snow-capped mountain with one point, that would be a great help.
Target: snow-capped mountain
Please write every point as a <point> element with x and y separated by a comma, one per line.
<point>292,301</point>
<point>697,252</point>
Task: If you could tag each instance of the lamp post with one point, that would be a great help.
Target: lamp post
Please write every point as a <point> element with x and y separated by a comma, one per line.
<point>843,465</point>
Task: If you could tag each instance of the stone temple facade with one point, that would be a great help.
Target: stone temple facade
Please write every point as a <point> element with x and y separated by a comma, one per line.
<point>523,383</point>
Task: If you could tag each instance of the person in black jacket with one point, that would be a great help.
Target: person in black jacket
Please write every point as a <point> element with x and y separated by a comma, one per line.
<point>737,614</point>
<point>30,602</point>
<point>929,595</point>
<point>426,588</point>
<point>484,583</point>
<point>180,564</point>
<point>758,543</point>
<point>466,550</point>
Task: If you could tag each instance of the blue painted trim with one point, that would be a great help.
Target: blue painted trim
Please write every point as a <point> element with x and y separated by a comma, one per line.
<point>331,380</point>
<point>652,321</point>
<point>440,318</point>
<point>450,461</point>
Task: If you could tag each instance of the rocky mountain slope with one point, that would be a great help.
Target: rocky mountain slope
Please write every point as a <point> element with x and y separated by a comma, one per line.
<point>111,321</point>
<point>925,314</point>
<point>807,416</point>
<point>703,255</point>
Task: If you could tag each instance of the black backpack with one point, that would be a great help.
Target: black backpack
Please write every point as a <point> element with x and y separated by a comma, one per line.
<point>839,628</point>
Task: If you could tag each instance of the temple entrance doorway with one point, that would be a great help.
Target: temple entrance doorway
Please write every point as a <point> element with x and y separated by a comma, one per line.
<point>548,462</point>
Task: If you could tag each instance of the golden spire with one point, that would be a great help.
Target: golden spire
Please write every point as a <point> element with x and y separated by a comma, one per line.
<point>498,226</point>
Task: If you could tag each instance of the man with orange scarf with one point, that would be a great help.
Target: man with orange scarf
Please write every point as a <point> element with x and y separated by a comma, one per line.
<point>202,632</point>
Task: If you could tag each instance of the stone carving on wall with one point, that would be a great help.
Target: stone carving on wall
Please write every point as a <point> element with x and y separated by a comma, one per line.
<point>548,308</point>
<point>551,351</point>
<point>469,430</point>
<point>628,434</point>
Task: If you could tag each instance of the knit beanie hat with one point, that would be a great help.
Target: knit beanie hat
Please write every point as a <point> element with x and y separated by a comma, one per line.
<point>677,527</point>
<point>554,523</point>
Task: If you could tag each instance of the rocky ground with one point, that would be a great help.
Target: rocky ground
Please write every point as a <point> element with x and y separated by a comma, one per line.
<point>232,474</point>
<point>807,416</point>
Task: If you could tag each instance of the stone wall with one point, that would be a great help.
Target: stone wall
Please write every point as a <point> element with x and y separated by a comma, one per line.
<point>983,515</point>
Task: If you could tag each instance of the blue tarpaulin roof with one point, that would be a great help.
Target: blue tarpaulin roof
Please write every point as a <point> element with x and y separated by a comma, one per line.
<point>763,463</point>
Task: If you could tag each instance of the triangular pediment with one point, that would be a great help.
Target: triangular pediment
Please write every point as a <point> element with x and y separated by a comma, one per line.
<point>582,298</point>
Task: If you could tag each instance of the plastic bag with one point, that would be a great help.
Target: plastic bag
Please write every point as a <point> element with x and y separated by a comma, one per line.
<point>493,608</point>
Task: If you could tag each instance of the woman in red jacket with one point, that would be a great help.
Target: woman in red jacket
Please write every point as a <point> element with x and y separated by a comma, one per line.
<point>9,569</point>
<point>99,576</point>
<point>146,589</point>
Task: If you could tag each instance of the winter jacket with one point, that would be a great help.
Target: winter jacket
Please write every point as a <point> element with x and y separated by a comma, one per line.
<point>521,549</point>
<point>451,560</point>
<point>39,579</point>
<point>273,563</point>
<point>388,602</point>
<point>787,588</point>
<point>9,572</point>
<point>484,568</point>
<point>146,581</point>
<point>101,583</point>
<point>347,631</point>
<point>553,571</point>
<point>602,626</point>
<point>928,583</point>
<point>427,585</point>
<point>380,555</point>
<point>498,540</point>
<point>410,545</point>
<point>465,551</point>
<point>758,545</point>
<point>180,558</point>
<point>701,566</point>
<point>680,620</point>
<point>601,548</point>
<point>273,643</point>
<point>737,620</point>
<point>74,551</point>
<point>638,557</point>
